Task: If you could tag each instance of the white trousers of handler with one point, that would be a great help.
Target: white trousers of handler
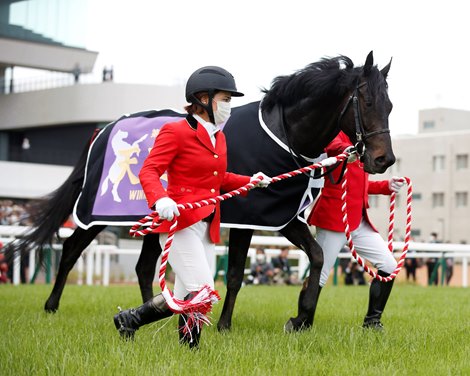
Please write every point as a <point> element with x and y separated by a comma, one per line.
<point>190,255</point>
<point>367,242</point>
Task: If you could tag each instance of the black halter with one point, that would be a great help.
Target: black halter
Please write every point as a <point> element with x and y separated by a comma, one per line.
<point>361,134</point>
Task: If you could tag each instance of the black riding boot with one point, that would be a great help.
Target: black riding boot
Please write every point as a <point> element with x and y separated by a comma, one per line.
<point>130,320</point>
<point>378,296</point>
<point>189,332</point>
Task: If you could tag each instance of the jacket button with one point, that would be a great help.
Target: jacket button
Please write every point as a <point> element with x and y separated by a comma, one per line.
<point>216,156</point>
<point>216,173</point>
<point>212,190</point>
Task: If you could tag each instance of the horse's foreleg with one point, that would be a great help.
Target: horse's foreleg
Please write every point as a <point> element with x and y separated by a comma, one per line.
<point>299,234</point>
<point>71,251</point>
<point>239,242</point>
<point>145,267</point>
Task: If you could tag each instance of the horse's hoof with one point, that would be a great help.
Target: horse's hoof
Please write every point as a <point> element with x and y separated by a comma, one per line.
<point>49,308</point>
<point>289,326</point>
<point>223,327</point>
<point>295,325</point>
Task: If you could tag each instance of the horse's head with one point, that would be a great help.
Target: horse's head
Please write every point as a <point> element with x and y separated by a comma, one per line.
<point>364,117</point>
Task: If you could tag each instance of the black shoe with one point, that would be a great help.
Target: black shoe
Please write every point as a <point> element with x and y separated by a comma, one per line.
<point>189,328</point>
<point>379,293</point>
<point>129,321</point>
<point>189,331</point>
<point>126,323</point>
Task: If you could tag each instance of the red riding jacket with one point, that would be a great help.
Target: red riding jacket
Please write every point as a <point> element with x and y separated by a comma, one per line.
<point>326,213</point>
<point>196,170</point>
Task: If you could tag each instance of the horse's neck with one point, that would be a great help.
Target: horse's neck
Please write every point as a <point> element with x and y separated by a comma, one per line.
<point>307,137</point>
<point>273,122</point>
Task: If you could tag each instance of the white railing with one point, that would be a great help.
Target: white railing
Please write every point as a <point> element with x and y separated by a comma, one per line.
<point>98,257</point>
<point>98,261</point>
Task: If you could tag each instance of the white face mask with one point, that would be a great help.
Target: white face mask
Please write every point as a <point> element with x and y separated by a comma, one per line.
<point>222,113</point>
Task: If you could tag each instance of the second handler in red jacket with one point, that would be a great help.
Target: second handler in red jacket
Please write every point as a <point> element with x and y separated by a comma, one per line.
<point>193,153</point>
<point>327,217</point>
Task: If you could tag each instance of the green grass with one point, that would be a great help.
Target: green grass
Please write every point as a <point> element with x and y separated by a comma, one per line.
<point>427,333</point>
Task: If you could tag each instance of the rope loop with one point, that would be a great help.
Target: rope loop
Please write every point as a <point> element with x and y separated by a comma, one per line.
<point>347,231</point>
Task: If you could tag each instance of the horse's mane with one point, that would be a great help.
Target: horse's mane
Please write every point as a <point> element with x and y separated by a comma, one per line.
<point>327,78</point>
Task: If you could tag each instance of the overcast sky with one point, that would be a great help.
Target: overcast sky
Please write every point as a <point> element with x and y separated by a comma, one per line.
<point>164,41</point>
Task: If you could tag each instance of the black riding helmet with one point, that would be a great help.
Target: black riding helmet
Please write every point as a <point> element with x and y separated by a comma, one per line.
<point>210,79</point>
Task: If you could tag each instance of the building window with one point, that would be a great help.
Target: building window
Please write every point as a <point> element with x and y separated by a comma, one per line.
<point>462,162</point>
<point>415,233</point>
<point>416,196</point>
<point>461,199</point>
<point>428,124</point>
<point>438,163</point>
<point>437,200</point>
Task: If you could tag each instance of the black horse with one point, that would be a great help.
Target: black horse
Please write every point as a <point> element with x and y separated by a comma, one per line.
<point>302,112</point>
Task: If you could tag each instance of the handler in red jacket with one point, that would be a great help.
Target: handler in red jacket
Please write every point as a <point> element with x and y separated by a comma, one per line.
<point>327,217</point>
<point>193,152</point>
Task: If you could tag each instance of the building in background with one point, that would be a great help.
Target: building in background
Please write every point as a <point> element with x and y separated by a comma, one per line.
<point>46,120</point>
<point>437,161</point>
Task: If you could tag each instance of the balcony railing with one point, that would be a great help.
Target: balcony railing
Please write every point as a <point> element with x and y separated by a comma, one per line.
<point>47,81</point>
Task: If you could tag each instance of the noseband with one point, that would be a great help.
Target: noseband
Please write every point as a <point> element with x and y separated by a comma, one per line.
<point>361,134</point>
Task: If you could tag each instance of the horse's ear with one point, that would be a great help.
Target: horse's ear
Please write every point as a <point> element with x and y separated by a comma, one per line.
<point>385,69</point>
<point>369,63</point>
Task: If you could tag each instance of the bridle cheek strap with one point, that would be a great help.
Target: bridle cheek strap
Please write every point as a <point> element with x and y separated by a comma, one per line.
<point>361,134</point>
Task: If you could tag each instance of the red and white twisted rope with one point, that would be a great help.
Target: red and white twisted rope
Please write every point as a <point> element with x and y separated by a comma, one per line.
<point>200,304</point>
<point>347,231</point>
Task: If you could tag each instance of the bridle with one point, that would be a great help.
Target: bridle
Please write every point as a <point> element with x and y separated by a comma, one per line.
<point>361,134</point>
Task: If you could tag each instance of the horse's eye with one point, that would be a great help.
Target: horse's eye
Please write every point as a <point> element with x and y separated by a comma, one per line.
<point>368,100</point>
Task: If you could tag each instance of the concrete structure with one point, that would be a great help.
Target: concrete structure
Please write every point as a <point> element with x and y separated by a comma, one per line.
<point>46,123</point>
<point>437,161</point>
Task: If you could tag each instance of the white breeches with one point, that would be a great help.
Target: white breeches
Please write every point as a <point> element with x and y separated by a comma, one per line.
<point>190,256</point>
<point>368,244</point>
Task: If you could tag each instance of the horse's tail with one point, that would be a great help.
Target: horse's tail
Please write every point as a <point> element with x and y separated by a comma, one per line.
<point>48,214</point>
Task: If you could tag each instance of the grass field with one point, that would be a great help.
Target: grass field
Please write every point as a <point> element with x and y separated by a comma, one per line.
<point>427,333</point>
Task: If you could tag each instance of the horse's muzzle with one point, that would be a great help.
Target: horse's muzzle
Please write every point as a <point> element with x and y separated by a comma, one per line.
<point>379,164</point>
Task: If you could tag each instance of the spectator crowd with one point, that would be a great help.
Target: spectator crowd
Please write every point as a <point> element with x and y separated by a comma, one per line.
<point>13,213</point>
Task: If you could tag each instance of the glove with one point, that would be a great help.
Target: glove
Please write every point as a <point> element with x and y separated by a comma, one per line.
<point>166,208</point>
<point>263,183</point>
<point>395,184</point>
<point>353,153</point>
